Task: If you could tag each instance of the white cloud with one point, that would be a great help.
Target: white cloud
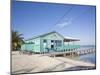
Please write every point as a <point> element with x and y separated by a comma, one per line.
<point>63,24</point>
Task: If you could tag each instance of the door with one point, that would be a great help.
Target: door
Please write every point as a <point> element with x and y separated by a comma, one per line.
<point>52,44</point>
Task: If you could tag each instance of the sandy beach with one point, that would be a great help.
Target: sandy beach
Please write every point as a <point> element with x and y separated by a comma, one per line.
<point>25,63</point>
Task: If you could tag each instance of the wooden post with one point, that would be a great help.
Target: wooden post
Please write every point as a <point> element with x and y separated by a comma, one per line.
<point>73,43</point>
<point>53,55</point>
<point>64,55</point>
<point>68,43</point>
<point>72,54</point>
<point>78,53</point>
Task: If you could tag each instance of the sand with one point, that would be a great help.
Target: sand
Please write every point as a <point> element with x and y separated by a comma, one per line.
<point>25,63</point>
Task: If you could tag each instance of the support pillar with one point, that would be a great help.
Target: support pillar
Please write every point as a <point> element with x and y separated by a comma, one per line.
<point>64,55</point>
<point>72,54</point>
<point>54,55</point>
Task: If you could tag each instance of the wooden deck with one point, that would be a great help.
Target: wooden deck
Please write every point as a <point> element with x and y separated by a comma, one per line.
<point>73,52</point>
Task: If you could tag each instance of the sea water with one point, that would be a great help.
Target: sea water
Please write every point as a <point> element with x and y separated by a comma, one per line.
<point>88,57</point>
<point>91,58</point>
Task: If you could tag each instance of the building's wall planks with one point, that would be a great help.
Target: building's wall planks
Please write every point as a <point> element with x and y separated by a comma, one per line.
<point>53,36</point>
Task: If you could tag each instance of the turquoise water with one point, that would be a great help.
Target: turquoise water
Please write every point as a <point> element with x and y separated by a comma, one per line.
<point>89,57</point>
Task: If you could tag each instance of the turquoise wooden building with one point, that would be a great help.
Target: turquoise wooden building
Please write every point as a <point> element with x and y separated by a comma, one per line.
<point>50,42</point>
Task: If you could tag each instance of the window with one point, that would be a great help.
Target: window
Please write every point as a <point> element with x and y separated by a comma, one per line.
<point>52,41</point>
<point>32,42</point>
<point>58,42</point>
<point>45,41</point>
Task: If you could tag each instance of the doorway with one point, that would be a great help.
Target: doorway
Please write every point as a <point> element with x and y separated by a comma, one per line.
<point>52,44</point>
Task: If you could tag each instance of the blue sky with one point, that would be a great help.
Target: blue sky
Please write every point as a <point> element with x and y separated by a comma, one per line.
<point>33,18</point>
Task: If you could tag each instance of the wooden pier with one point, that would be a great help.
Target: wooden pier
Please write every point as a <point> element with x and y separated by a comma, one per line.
<point>71,52</point>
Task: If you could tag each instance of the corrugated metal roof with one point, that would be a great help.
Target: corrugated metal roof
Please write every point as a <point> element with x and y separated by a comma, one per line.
<point>71,39</point>
<point>65,38</point>
<point>44,35</point>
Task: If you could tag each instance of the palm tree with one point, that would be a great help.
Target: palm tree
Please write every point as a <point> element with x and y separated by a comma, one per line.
<point>17,40</point>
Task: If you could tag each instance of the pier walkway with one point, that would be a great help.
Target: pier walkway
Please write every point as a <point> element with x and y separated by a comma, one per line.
<point>71,52</point>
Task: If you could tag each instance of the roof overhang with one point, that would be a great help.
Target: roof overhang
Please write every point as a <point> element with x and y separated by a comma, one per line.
<point>70,39</point>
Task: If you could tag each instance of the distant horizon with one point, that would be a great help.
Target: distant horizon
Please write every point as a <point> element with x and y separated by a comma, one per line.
<point>36,18</point>
<point>88,45</point>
